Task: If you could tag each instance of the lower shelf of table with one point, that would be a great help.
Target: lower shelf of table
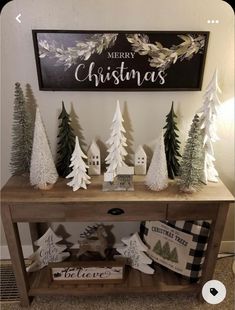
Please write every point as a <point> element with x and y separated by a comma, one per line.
<point>135,282</point>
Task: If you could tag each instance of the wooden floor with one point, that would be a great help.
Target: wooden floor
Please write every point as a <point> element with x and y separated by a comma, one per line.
<point>135,282</point>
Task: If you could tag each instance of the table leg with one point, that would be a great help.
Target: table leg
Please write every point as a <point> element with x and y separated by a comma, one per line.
<point>17,259</point>
<point>35,233</point>
<point>217,228</point>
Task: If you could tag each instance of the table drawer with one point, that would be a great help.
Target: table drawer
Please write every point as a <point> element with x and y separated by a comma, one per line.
<point>192,211</point>
<point>105,211</point>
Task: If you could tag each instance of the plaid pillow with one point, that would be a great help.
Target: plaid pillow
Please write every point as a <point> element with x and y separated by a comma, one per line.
<point>177,245</point>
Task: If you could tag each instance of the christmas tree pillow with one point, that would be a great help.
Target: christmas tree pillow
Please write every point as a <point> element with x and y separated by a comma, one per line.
<point>178,245</point>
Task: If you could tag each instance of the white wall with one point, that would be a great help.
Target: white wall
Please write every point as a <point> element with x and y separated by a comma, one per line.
<point>95,109</point>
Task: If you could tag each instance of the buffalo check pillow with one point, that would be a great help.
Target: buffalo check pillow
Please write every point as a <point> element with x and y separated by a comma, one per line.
<point>178,245</point>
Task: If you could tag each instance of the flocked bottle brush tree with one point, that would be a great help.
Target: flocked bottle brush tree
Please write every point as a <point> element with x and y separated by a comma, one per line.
<point>43,173</point>
<point>191,168</point>
<point>157,175</point>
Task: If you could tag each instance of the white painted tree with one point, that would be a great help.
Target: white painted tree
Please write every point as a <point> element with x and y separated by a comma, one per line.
<point>116,144</point>
<point>43,172</point>
<point>209,112</point>
<point>157,175</point>
<point>134,252</point>
<point>79,168</point>
<point>49,251</point>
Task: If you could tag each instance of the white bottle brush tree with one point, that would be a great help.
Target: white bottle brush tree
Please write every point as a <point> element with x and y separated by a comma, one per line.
<point>79,168</point>
<point>157,176</point>
<point>116,144</point>
<point>208,116</point>
<point>49,251</point>
<point>43,172</point>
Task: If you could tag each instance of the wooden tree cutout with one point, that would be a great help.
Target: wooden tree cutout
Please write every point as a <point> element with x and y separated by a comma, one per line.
<point>49,251</point>
<point>134,252</point>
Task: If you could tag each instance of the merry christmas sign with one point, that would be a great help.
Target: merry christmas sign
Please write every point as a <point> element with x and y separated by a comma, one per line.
<point>114,60</point>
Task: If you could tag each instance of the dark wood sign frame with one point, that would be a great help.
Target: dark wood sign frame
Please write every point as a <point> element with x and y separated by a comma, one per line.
<point>71,60</point>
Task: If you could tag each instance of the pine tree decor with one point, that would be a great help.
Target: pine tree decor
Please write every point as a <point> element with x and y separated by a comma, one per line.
<point>157,176</point>
<point>66,142</point>
<point>116,144</point>
<point>43,172</point>
<point>208,114</point>
<point>49,251</point>
<point>172,144</point>
<point>78,174</point>
<point>22,135</point>
<point>191,169</point>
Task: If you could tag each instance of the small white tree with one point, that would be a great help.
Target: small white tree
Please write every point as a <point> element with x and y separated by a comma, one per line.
<point>116,144</point>
<point>157,176</point>
<point>43,172</point>
<point>209,111</point>
<point>79,168</point>
<point>49,251</point>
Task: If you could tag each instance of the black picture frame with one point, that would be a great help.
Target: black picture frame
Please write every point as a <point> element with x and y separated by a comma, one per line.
<point>104,60</point>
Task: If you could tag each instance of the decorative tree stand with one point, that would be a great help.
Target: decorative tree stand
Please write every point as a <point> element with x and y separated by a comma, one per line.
<point>22,203</point>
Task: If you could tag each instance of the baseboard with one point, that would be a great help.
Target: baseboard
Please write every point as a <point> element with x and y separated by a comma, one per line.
<point>4,253</point>
<point>227,247</point>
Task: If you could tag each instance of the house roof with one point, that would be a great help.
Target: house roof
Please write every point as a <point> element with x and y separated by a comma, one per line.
<point>140,151</point>
<point>93,149</point>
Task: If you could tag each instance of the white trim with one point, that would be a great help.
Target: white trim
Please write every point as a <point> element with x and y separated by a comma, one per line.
<point>4,253</point>
<point>227,247</point>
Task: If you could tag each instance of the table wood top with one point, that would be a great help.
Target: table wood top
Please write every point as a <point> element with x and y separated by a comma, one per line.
<point>19,190</point>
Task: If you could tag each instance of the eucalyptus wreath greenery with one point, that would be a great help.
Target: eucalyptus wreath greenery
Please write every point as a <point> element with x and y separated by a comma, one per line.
<point>69,56</point>
<point>161,57</point>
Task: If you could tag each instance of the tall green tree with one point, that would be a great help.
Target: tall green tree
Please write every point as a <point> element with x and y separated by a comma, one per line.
<point>22,135</point>
<point>172,144</point>
<point>66,143</point>
<point>192,165</point>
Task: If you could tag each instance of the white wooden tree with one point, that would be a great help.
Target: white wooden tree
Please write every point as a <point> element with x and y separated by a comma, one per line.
<point>43,173</point>
<point>116,144</point>
<point>78,174</point>
<point>49,251</point>
<point>134,252</point>
<point>157,175</point>
<point>209,111</point>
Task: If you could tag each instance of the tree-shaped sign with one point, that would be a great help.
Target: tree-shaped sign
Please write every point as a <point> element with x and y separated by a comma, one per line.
<point>134,252</point>
<point>49,251</point>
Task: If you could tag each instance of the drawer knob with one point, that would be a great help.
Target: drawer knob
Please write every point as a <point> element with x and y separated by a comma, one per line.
<point>115,211</point>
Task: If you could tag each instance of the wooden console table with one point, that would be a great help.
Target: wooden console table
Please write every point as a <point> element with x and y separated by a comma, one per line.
<point>22,203</point>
